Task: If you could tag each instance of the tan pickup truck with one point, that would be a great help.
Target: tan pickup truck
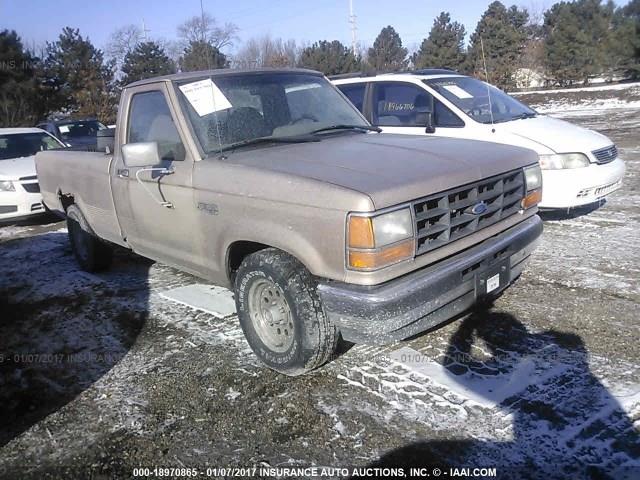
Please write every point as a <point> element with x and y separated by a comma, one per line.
<point>271,183</point>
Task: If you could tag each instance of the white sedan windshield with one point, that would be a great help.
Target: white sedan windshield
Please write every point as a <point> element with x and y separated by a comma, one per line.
<point>18,145</point>
<point>479,100</point>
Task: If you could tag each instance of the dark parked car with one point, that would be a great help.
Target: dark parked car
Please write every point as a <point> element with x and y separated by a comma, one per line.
<point>74,132</point>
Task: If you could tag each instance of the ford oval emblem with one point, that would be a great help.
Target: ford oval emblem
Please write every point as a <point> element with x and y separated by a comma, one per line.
<point>479,208</point>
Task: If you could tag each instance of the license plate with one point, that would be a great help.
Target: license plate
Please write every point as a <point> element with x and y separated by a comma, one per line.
<point>493,283</point>
<point>493,279</point>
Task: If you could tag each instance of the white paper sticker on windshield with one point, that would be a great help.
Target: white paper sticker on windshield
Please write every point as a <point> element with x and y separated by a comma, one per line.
<point>64,128</point>
<point>205,97</point>
<point>457,91</point>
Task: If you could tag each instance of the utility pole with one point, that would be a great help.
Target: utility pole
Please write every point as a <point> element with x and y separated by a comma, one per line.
<point>144,31</point>
<point>352,21</point>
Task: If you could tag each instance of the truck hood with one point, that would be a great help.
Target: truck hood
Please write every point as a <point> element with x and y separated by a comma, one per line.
<point>390,169</point>
<point>15,168</point>
<point>558,135</point>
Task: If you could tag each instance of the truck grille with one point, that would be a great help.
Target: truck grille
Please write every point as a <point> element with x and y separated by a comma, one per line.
<point>31,187</point>
<point>606,155</point>
<point>447,216</point>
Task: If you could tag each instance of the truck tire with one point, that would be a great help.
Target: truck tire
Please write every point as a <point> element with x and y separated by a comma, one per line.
<point>92,254</point>
<point>281,313</point>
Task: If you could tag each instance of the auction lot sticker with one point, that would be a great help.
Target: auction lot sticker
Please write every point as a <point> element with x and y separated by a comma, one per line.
<point>205,97</point>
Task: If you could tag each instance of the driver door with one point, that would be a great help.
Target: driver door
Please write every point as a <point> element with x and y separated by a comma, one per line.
<point>156,211</point>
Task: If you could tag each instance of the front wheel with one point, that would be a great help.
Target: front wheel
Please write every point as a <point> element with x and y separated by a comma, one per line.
<point>92,254</point>
<point>281,314</point>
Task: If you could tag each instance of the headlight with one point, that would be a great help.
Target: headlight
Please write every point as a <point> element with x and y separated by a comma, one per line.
<point>377,241</point>
<point>533,183</point>
<point>533,177</point>
<point>563,160</point>
<point>7,186</point>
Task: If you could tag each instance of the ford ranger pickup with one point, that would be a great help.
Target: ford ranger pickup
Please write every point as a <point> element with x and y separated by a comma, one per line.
<point>270,182</point>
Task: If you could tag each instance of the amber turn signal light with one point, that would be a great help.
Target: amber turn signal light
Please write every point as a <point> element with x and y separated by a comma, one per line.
<point>361,232</point>
<point>531,199</point>
<point>382,257</point>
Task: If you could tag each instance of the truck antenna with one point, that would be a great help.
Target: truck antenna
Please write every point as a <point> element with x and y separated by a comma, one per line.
<point>486,78</point>
<point>213,95</point>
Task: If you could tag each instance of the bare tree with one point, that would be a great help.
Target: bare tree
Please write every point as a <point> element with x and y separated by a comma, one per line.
<point>267,52</point>
<point>122,41</point>
<point>205,28</point>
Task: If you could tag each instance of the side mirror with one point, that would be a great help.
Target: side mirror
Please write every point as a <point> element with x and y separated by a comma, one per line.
<point>142,154</point>
<point>428,124</point>
<point>425,117</point>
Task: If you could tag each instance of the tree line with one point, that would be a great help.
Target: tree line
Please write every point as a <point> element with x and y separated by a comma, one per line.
<point>570,43</point>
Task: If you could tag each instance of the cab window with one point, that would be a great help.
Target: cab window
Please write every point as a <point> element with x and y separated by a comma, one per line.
<point>355,93</point>
<point>406,105</point>
<point>150,121</point>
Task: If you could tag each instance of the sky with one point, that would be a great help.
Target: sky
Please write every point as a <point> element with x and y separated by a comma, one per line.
<point>38,21</point>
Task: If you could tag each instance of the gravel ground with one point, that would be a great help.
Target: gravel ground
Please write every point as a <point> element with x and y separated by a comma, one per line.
<point>100,374</point>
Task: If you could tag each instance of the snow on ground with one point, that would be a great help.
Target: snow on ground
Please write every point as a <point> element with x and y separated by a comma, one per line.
<point>580,109</point>
<point>144,365</point>
<point>594,88</point>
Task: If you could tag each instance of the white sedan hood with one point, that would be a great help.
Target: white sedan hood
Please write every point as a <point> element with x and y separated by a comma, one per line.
<point>558,135</point>
<point>15,168</point>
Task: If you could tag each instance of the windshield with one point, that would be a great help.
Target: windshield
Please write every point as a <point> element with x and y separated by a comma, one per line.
<point>472,97</point>
<point>25,144</point>
<point>226,110</point>
<point>88,128</point>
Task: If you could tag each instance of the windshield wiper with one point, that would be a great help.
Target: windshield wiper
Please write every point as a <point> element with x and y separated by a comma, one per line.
<point>346,127</point>
<point>525,115</point>
<point>256,141</point>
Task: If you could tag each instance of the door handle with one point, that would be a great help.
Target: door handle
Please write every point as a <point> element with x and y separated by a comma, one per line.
<point>163,171</point>
<point>123,173</point>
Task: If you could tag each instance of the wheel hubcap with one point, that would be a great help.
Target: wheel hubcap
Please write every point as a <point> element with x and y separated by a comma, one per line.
<point>271,315</point>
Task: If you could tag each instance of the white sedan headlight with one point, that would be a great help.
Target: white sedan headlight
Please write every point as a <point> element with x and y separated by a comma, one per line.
<point>7,186</point>
<point>562,161</point>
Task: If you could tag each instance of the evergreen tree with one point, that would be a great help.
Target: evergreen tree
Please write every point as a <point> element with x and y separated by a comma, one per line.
<point>387,53</point>
<point>330,58</point>
<point>629,27</point>
<point>147,60</point>
<point>444,47</point>
<point>78,79</point>
<point>621,46</point>
<point>201,55</point>
<point>577,37</point>
<point>20,93</point>
<point>504,36</point>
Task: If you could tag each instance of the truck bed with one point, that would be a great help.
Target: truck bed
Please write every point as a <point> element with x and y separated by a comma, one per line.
<point>86,175</point>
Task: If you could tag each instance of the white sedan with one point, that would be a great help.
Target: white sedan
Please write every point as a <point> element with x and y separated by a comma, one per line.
<point>579,166</point>
<point>19,188</point>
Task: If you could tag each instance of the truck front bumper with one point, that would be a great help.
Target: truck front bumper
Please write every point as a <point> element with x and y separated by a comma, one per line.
<point>418,301</point>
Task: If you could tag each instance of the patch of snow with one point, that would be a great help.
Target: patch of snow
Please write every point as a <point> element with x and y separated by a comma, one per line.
<point>619,86</point>
<point>232,394</point>
<point>567,108</point>
<point>211,299</point>
<point>486,390</point>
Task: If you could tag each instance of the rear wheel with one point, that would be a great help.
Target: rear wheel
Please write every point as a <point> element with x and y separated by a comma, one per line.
<point>92,254</point>
<point>281,314</point>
